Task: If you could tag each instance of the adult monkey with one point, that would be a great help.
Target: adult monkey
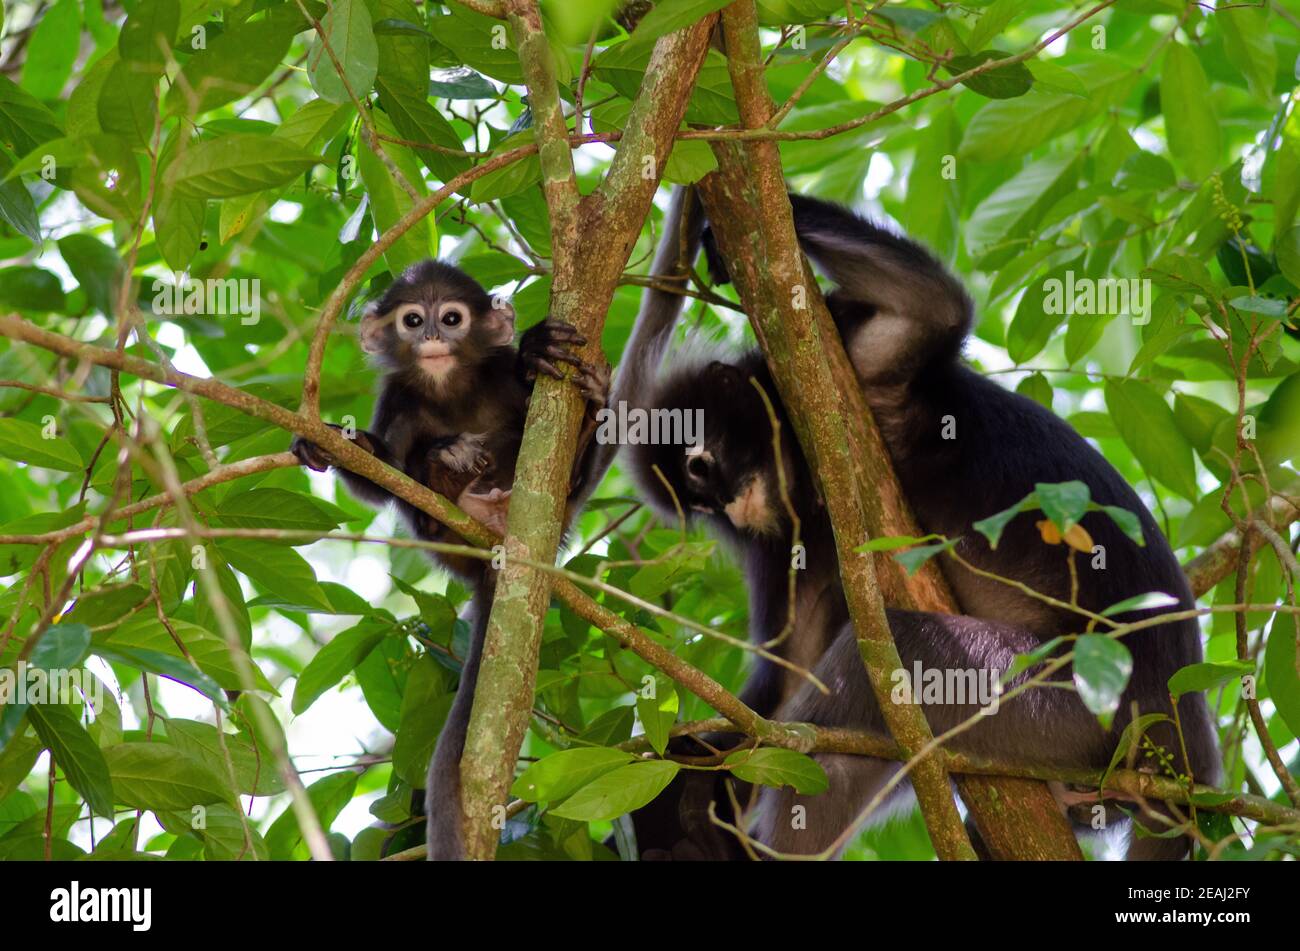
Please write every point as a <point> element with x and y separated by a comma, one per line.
<point>963,449</point>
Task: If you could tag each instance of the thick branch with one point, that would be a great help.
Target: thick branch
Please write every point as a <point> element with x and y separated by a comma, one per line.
<point>750,213</point>
<point>584,282</point>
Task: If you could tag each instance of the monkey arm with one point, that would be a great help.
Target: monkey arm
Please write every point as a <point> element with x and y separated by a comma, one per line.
<point>679,245</point>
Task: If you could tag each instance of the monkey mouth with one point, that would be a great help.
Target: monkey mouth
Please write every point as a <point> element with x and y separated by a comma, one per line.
<point>436,364</point>
<point>750,510</point>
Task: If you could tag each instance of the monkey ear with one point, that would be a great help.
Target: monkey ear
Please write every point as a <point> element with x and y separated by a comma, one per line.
<point>374,329</point>
<point>499,323</point>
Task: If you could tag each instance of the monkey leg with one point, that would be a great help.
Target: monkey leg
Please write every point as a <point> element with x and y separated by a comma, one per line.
<point>1043,726</point>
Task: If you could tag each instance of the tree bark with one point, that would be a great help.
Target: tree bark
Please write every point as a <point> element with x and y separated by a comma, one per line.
<point>747,204</point>
<point>586,272</point>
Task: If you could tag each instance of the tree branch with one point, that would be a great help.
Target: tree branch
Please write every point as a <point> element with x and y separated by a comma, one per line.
<point>584,284</point>
<point>361,462</point>
<point>750,212</point>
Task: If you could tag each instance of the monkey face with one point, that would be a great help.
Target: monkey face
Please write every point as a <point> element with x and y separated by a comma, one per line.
<point>728,473</point>
<point>435,317</point>
<point>433,331</point>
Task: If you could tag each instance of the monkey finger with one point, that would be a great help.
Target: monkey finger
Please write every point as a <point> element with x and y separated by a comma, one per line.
<point>537,363</point>
<point>559,330</point>
<point>563,356</point>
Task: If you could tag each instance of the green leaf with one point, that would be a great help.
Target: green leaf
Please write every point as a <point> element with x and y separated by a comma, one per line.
<point>1146,424</point>
<point>1195,678</point>
<point>351,36</point>
<point>1063,502</point>
<point>1010,128</point>
<point>657,714</point>
<point>61,647</point>
<point>16,205</point>
<point>404,56</point>
<point>26,442</point>
<point>1288,254</point>
<point>278,508</point>
<point>1249,45</point>
<point>1102,667</point>
<point>149,32</point>
<point>993,21</point>
<point>1004,82</point>
<point>1039,313</point>
<point>389,201</point>
<point>234,63</point>
<point>1191,127</point>
<point>1141,602</point>
<point>178,228</point>
<point>164,665</point>
<point>75,753</point>
<point>128,103</point>
<point>993,526</point>
<point>777,768</point>
<point>426,701</point>
<point>1130,737</point>
<point>237,164</point>
<point>96,267</point>
<point>512,178</point>
<point>276,568</point>
<point>143,630</point>
<point>255,772</point>
<point>52,50</point>
<point>713,102</point>
<point>31,288</point>
<point>618,792</point>
<point>461,83</point>
<point>1280,673</point>
<point>328,797</point>
<point>559,775</point>
<point>1050,77</point>
<point>893,543</point>
<point>418,121</point>
<point>914,558</point>
<point>335,661</point>
<point>668,16</point>
<point>1005,219</point>
<point>160,776</point>
<point>24,122</point>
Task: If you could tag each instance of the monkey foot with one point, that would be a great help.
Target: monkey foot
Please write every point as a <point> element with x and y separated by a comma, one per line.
<point>466,454</point>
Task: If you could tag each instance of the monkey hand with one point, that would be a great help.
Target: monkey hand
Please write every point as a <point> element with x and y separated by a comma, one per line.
<point>544,346</point>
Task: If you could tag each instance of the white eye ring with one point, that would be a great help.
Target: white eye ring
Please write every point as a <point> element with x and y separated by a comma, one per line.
<point>449,309</point>
<point>406,311</point>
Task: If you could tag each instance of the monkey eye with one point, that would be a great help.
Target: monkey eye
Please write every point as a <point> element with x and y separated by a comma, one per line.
<point>452,317</point>
<point>412,319</point>
<point>697,466</point>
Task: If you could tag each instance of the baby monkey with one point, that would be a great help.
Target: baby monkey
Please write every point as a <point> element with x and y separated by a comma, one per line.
<point>450,414</point>
<point>451,409</point>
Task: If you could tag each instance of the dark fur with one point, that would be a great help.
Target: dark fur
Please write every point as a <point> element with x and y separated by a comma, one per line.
<point>1004,444</point>
<point>419,421</point>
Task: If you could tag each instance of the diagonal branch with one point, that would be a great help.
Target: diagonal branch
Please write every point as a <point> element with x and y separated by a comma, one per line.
<point>399,484</point>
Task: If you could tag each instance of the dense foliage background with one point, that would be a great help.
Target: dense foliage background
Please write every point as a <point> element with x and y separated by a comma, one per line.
<point>1157,139</point>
